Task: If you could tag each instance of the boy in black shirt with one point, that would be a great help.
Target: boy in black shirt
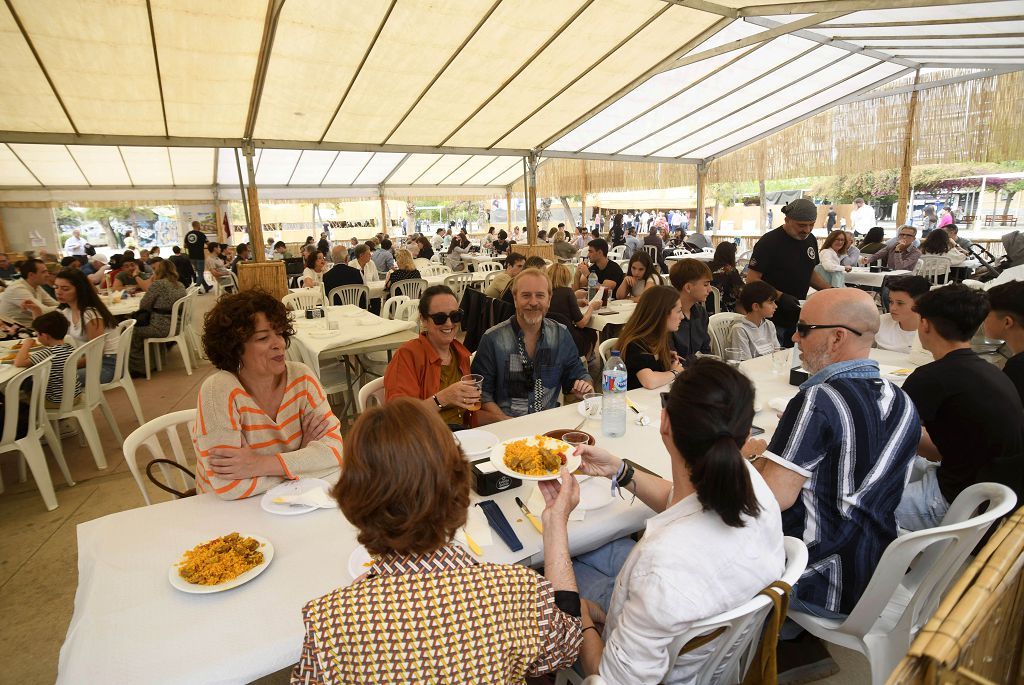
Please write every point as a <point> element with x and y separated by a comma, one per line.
<point>195,243</point>
<point>609,273</point>
<point>972,415</point>
<point>1006,322</point>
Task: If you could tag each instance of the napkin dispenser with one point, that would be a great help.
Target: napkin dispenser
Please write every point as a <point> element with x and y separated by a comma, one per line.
<point>489,481</point>
<point>315,313</point>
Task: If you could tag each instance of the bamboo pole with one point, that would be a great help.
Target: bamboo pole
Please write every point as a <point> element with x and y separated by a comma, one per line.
<point>255,225</point>
<point>508,213</point>
<point>383,210</point>
<point>531,199</point>
<point>908,142</point>
<point>702,171</point>
<point>583,197</point>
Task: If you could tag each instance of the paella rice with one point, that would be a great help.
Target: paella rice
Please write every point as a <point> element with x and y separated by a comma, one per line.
<point>544,458</point>
<point>220,560</point>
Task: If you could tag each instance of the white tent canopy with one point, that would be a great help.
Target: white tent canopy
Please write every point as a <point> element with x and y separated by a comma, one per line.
<point>445,93</point>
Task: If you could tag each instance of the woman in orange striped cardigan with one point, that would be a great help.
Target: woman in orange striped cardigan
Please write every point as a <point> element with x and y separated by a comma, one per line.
<point>261,419</point>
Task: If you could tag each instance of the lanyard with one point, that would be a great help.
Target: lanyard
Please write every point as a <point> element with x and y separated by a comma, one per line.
<point>538,387</point>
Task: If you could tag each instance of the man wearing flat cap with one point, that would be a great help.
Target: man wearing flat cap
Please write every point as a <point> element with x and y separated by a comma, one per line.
<point>785,257</point>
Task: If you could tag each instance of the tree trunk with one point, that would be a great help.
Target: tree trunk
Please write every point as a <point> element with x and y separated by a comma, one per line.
<point>571,220</point>
<point>111,240</point>
<point>1009,199</point>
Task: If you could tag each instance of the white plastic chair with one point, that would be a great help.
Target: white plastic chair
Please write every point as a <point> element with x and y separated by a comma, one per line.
<point>371,394</point>
<point>458,283</point>
<point>490,277</point>
<point>731,653</point>
<point>435,270</point>
<point>716,300</point>
<point>359,295</point>
<point>307,298</point>
<point>488,267</point>
<point>617,252</point>
<point>390,307</point>
<point>148,436</point>
<point>122,378</point>
<point>934,268</point>
<point>408,311</point>
<point>30,446</point>
<point>81,408</point>
<point>605,349</point>
<point>409,287</point>
<point>652,252</point>
<point>177,333</point>
<point>720,331</point>
<point>909,581</point>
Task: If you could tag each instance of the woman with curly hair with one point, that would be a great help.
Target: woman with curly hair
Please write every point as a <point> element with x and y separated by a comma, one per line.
<point>261,420</point>
<point>405,487</point>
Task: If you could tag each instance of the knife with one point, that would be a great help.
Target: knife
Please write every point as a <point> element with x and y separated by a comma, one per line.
<point>533,519</point>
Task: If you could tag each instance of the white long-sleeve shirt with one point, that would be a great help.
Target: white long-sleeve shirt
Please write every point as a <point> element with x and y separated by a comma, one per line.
<point>16,293</point>
<point>664,587</point>
<point>863,219</point>
<point>829,259</point>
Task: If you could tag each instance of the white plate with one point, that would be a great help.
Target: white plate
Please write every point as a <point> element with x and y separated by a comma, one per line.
<point>498,456</point>
<point>322,334</point>
<point>181,584</point>
<point>290,489</point>
<point>475,441</point>
<point>594,493</point>
<point>622,304</point>
<point>581,408</point>
<point>359,562</point>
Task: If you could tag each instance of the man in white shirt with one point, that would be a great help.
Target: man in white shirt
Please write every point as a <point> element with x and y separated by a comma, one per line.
<point>862,216</point>
<point>364,263</point>
<point>75,245</point>
<point>25,298</point>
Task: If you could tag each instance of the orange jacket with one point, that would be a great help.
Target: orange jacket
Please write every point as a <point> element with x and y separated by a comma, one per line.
<point>415,370</point>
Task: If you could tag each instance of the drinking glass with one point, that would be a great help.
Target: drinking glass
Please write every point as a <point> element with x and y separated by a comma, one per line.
<point>478,381</point>
<point>733,356</point>
<point>591,404</point>
<point>780,360</point>
<point>576,438</point>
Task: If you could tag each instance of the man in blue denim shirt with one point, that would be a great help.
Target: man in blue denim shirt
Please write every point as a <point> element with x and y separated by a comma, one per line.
<point>838,463</point>
<point>526,360</point>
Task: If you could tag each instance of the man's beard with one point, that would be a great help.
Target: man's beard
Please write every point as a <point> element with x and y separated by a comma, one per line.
<point>814,361</point>
<point>533,316</point>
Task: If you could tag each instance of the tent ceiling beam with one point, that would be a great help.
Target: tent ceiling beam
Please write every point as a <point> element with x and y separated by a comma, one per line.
<point>600,157</point>
<point>653,71</point>
<point>709,7</point>
<point>359,69</point>
<point>615,48</point>
<point>831,42</point>
<point>42,67</point>
<point>780,29</point>
<point>922,22</point>
<point>933,84</point>
<point>127,171</point>
<point>448,175</point>
<point>507,169</point>
<point>942,47</point>
<point>397,167</point>
<point>1019,57</point>
<point>298,160</point>
<point>22,163</point>
<point>972,65</point>
<point>274,8</point>
<point>846,6</point>
<point>156,62</point>
<point>568,22</point>
<point>932,36</point>
<point>817,110</point>
<point>79,166</point>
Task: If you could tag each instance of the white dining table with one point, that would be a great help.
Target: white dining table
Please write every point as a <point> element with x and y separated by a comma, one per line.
<point>863,276</point>
<point>342,328</point>
<point>131,625</point>
<point>699,256</point>
<point>616,313</point>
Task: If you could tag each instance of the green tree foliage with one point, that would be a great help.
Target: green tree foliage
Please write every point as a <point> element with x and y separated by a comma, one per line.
<point>883,185</point>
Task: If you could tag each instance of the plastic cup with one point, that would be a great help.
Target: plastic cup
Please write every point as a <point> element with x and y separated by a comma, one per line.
<point>575,438</point>
<point>733,356</point>
<point>478,381</point>
<point>591,404</point>
<point>780,360</point>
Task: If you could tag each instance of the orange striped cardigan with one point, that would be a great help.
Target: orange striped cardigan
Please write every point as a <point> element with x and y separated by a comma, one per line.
<point>228,416</point>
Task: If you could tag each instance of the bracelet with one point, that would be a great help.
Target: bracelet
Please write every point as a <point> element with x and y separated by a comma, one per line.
<point>437,402</point>
<point>594,628</point>
<point>627,477</point>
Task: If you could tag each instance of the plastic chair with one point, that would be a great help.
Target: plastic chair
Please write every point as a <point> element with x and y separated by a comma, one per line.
<point>716,300</point>
<point>148,436</point>
<point>488,267</point>
<point>409,287</point>
<point>177,333</point>
<point>652,252</point>
<point>408,311</point>
<point>605,349</point>
<point>909,581</point>
<point>30,446</point>
<point>371,394</point>
<point>391,305</point>
<point>617,252</point>
<point>123,379</point>
<point>720,331</point>
<point>349,294</point>
<point>307,298</point>
<point>934,268</point>
<point>458,283</point>
<point>435,270</point>
<point>81,408</point>
<point>730,654</point>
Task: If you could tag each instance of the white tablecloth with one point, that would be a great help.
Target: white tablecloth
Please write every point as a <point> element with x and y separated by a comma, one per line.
<point>130,625</point>
<point>617,314</point>
<point>861,275</point>
<point>125,307</point>
<point>354,325</point>
<point>699,256</point>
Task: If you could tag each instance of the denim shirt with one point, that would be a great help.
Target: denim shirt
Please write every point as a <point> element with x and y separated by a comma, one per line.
<point>851,368</point>
<point>507,381</point>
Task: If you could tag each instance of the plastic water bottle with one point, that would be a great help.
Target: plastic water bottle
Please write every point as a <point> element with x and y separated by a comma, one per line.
<point>591,286</point>
<point>613,398</point>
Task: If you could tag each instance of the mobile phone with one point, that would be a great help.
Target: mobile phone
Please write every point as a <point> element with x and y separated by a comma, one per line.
<point>756,430</point>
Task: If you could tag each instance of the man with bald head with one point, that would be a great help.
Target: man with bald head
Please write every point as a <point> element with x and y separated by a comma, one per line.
<point>838,461</point>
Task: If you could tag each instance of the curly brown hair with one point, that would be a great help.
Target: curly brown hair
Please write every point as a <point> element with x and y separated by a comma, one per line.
<point>403,498</point>
<point>232,321</point>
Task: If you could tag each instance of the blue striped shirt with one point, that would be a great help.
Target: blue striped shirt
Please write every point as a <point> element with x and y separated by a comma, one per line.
<point>853,435</point>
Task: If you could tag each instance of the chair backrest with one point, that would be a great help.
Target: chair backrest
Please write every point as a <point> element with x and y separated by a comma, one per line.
<point>733,650</point>
<point>605,348</point>
<point>408,311</point>
<point>234,281</point>
<point>37,374</point>
<point>410,287</point>
<point>920,566</point>
<point>652,252</point>
<point>488,267</point>
<point>93,353</point>
<point>195,288</point>
<point>435,270</point>
<point>716,300</point>
<point>124,332</point>
<point>490,277</point>
<point>181,312</point>
<point>349,294</point>
<point>307,298</point>
<point>617,252</point>
<point>421,263</point>
<point>934,267</point>
<point>148,435</point>
<point>371,394</point>
<point>458,283</point>
<point>391,305</point>
<point>720,331</point>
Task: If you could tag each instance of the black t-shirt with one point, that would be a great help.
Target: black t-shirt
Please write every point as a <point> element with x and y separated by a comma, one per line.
<point>563,301</point>
<point>787,265</point>
<point>637,358</point>
<point>692,335</point>
<point>1014,368</point>
<point>611,272</point>
<point>975,418</point>
<point>195,243</point>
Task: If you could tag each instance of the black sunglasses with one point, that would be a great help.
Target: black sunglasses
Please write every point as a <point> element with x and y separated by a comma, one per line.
<point>441,317</point>
<point>803,329</point>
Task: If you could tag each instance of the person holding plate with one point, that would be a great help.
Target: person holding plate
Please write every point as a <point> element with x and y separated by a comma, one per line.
<point>426,610</point>
<point>261,420</point>
<point>431,367</point>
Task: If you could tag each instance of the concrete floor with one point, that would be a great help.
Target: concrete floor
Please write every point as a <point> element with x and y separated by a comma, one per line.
<point>38,549</point>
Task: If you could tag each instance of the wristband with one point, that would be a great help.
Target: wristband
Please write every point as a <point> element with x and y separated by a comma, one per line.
<point>627,477</point>
<point>594,628</point>
<point>437,402</point>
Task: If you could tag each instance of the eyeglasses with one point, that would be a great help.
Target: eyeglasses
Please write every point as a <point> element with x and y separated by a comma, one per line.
<point>803,329</point>
<point>440,317</point>
<point>908,235</point>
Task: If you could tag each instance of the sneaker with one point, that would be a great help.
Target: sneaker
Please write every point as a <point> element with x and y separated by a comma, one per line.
<point>803,660</point>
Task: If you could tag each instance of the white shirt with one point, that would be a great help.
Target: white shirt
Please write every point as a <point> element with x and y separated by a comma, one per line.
<point>74,246</point>
<point>664,586</point>
<point>19,291</point>
<point>891,337</point>
<point>830,260</point>
<point>863,219</point>
<point>369,271</point>
<point>79,334</point>
<point>318,278</point>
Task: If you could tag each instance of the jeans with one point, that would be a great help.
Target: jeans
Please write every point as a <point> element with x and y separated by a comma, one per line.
<point>595,571</point>
<point>922,505</point>
<point>199,266</point>
<point>791,629</point>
